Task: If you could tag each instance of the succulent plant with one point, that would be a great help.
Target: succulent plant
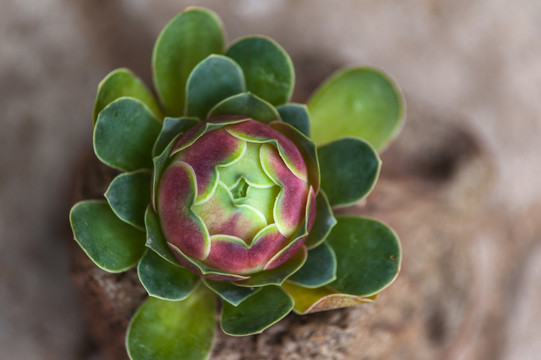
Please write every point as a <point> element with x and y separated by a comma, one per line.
<point>223,194</point>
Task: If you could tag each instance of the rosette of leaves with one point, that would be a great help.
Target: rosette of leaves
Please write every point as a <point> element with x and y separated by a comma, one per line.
<point>227,189</point>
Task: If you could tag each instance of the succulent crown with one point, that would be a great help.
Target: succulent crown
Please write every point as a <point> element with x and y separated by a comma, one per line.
<point>227,188</point>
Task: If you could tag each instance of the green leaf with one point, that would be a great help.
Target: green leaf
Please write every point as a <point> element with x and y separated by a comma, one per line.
<point>173,330</point>
<point>125,133</point>
<point>297,116</point>
<point>212,80</point>
<point>258,312</point>
<point>368,254</point>
<point>164,280</point>
<point>319,268</point>
<point>268,69</point>
<point>186,40</point>
<point>359,101</point>
<point>129,195</point>
<point>121,83</point>
<point>155,239</point>
<point>323,224</point>
<point>321,299</point>
<point>109,242</point>
<point>278,275</point>
<point>349,170</point>
<point>248,105</point>
<point>170,129</point>
<point>231,293</point>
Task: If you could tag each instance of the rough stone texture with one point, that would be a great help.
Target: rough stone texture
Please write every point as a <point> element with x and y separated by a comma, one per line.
<point>474,63</point>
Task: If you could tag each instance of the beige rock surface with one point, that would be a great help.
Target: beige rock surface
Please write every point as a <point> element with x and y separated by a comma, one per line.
<point>474,63</point>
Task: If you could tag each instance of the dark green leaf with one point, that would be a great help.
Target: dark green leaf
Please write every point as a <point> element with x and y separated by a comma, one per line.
<point>170,129</point>
<point>297,116</point>
<point>258,312</point>
<point>121,83</point>
<point>173,330</point>
<point>231,293</point>
<point>109,242</point>
<point>212,80</point>
<point>155,239</point>
<point>189,38</point>
<point>164,280</point>
<point>324,222</point>
<point>349,170</point>
<point>129,195</point>
<point>267,67</point>
<point>368,254</point>
<point>319,268</point>
<point>160,163</point>
<point>248,105</point>
<point>359,101</point>
<point>125,133</point>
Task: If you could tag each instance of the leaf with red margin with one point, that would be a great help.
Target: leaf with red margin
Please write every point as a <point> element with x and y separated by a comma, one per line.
<point>278,275</point>
<point>180,226</point>
<point>289,208</point>
<point>214,148</point>
<point>307,148</point>
<point>233,255</point>
<point>204,270</point>
<point>260,133</point>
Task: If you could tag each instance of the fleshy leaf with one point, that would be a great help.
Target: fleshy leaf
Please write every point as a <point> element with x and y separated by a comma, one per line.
<point>170,129</point>
<point>129,195</point>
<point>268,69</point>
<point>319,268</point>
<point>212,149</point>
<point>297,116</point>
<point>172,330</point>
<point>233,255</point>
<point>155,239</point>
<point>125,133</point>
<point>109,242</point>
<point>290,203</point>
<point>186,40</point>
<point>307,148</point>
<point>253,131</point>
<point>349,170</point>
<point>212,80</point>
<point>246,104</point>
<point>120,83</point>
<point>258,312</point>
<point>180,225</point>
<point>323,223</point>
<point>368,254</point>
<point>231,293</point>
<point>204,270</point>
<point>164,280</point>
<point>358,101</point>
<point>224,217</point>
<point>248,167</point>
<point>278,275</point>
<point>321,299</point>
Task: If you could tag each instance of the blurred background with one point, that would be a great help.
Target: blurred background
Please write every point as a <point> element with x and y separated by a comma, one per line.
<point>476,62</point>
